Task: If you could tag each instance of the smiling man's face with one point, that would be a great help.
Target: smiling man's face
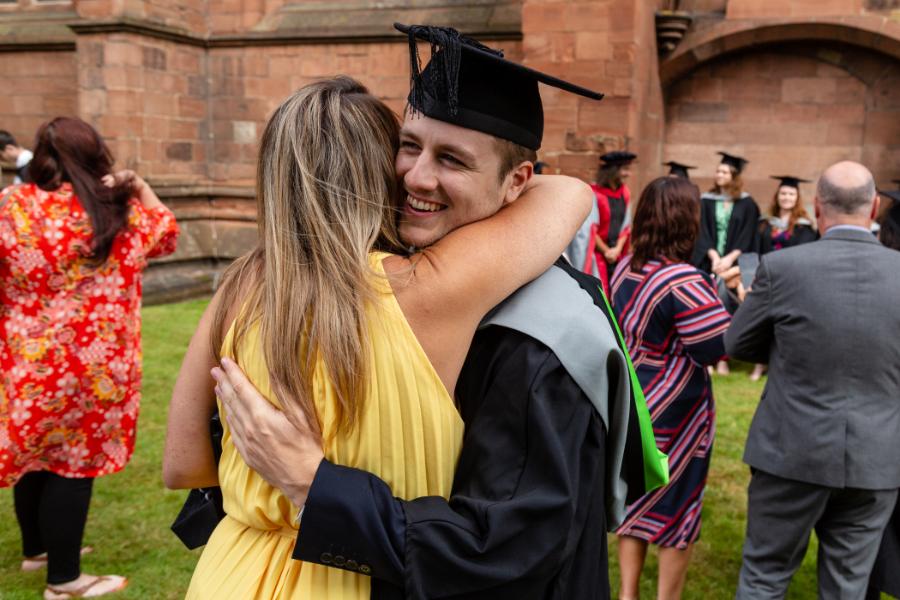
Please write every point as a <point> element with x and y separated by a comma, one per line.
<point>451,178</point>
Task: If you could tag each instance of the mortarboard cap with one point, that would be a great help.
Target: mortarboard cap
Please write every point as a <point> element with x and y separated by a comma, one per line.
<point>618,158</point>
<point>893,195</point>
<point>678,169</point>
<point>470,85</point>
<point>790,180</point>
<point>731,160</point>
<point>539,167</point>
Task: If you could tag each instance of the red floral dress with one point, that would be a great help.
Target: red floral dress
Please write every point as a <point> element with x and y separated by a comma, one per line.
<point>70,334</point>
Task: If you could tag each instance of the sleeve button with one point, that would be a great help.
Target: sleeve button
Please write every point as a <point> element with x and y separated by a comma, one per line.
<point>352,565</point>
<point>326,558</point>
<point>339,561</point>
<point>365,569</point>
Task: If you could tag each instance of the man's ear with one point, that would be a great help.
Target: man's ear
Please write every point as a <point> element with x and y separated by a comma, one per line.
<point>876,206</point>
<point>516,181</point>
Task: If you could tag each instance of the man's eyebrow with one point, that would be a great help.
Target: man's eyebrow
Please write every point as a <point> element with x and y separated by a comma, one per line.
<point>458,151</point>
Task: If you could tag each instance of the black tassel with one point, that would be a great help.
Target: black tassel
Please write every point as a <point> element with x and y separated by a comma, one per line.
<point>446,50</point>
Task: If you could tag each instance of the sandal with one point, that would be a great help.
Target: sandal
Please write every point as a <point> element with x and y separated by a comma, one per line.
<point>36,563</point>
<point>101,585</point>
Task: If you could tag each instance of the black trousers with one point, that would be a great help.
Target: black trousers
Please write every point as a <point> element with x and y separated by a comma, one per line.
<point>52,512</point>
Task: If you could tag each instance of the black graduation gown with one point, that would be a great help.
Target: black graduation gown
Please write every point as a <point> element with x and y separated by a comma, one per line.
<point>802,234</point>
<point>742,230</point>
<point>526,514</point>
<point>885,574</point>
<point>526,517</point>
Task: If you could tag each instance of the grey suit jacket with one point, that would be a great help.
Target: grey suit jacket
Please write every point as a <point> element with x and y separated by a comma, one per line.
<point>825,316</point>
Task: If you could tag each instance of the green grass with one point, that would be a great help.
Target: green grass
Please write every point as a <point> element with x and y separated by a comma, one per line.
<point>716,561</point>
<point>131,511</point>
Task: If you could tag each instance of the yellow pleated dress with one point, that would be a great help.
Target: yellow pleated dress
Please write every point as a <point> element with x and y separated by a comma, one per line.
<point>409,434</point>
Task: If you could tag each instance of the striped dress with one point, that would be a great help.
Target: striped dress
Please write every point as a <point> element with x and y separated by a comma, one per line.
<point>674,325</point>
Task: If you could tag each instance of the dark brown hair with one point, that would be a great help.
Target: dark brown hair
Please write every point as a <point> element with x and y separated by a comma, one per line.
<point>608,176</point>
<point>511,156</point>
<point>798,212</point>
<point>69,150</point>
<point>666,222</point>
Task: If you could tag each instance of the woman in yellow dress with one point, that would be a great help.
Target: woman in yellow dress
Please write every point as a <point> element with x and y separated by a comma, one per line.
<point>363,344</point>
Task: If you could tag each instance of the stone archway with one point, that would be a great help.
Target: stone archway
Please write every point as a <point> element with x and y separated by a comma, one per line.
<point>790,107</point>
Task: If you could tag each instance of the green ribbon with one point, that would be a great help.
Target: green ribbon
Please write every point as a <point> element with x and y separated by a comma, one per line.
<point>656,462</point>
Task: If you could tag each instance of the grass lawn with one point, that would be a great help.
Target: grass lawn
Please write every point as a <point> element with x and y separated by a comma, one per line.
<point>131,511</point>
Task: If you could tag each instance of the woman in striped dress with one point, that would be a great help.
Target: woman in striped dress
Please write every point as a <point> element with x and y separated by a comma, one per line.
<point>674,325</point>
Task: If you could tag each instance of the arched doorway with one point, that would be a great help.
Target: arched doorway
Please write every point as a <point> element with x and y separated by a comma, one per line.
<point>790,108</point>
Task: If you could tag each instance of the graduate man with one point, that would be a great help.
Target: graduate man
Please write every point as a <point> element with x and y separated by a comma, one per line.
<point>555,438</point>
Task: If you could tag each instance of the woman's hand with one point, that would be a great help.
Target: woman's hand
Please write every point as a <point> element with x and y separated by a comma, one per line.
<point>127,177</point>
<point>732,278</point>
<point>286,453</point>
<point>612,254</point>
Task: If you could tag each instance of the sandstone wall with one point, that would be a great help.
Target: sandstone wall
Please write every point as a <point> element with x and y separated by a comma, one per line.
<point>182,90</point>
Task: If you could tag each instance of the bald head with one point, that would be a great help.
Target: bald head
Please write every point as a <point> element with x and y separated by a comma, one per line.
<point>846,188</point>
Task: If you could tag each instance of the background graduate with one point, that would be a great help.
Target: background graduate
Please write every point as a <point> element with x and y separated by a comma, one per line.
<point>614,222</point>
<point>787,223</point>
<point>677,169</point>
<point>729,221</point>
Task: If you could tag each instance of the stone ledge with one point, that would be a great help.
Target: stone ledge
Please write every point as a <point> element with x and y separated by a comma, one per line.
<point>310,23</point>
<point>165,283</point>
<point>873,32</point>
<point>37,32</point>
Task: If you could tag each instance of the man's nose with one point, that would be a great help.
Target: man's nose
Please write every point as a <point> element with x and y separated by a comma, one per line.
<point>422,177</point>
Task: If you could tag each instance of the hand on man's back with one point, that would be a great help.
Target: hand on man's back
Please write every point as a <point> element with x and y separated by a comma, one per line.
<point>285,452</point>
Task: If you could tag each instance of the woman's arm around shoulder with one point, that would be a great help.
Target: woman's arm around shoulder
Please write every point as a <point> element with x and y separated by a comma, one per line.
<point>188,460</point>
<point>473,268</point>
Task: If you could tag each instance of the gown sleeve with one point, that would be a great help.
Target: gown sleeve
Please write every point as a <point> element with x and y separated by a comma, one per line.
<point>532,458</point>
<point>706,237</point>
<point>803,234</point>
<point>743,230</point>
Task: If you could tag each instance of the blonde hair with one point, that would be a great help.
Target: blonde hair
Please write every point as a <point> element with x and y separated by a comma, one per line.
<point>326,194</point>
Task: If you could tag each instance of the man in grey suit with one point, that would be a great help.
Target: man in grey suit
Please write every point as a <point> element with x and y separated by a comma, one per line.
<point>823,447</point>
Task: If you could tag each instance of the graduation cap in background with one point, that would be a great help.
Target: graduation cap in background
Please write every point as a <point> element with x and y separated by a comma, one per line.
<point>790,180</point>
<point>618,158</point>
<point>470,85</point>
<point>677,169</point>
<point>893,195</point>
<point>731,160</point>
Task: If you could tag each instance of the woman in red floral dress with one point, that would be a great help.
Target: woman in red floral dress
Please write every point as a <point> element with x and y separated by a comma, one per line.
<point>72,248</point>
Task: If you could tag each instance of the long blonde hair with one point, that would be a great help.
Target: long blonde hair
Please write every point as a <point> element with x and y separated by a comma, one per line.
<point>326,194</point>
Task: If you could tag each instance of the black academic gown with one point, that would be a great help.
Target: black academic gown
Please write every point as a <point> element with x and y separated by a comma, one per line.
<point>742,230</point>
<point>526,516</point>
<point>802,234</point>
<point>885,577</point>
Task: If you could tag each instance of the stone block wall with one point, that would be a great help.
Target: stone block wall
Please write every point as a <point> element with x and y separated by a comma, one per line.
<point>36,85</point>
<point>786,112</point>
<point>247,84</point>
<point>149,99</point>
<point>182,90</point>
